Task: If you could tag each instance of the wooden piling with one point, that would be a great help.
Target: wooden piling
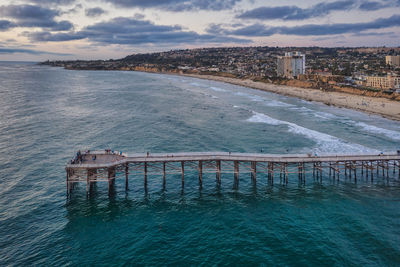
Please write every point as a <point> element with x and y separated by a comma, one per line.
<point>398,170</point>
<point>183,173</point>
<point>111,179</point>
<point>218,167</point>
<point>67,171</point>
<point>362,168</point>
<point>313,171</point>
<point>377,168</point>
<point>164,174</point>
<point>355,170</point>
<point>372,171</point>
<point>387,169</point>
<point>272,172</point>
<point>286,173</point>
<point>253,171</point>
<point>126,176</point>
<point>236,172</point>
<point>145,175</point>
<point>200,173</point>
<point>394,168</point>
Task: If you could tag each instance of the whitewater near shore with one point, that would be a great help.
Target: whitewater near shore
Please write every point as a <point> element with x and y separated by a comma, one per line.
<point>380,106</point>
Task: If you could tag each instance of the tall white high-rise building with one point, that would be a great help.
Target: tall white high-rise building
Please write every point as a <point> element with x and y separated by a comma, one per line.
<point>291,65</point>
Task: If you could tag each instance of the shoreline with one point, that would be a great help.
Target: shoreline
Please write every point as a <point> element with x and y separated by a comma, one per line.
<point>377,106</point>
<point>389,109</point>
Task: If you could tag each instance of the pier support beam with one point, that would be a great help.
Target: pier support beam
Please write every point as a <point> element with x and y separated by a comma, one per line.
<point>314,170</point>
<point>272,172</point>
<point>372,171</point>
<point>236,173</point>
<point>164,174</point>
<point>126,176</point>
<point>394,168</point>
<point>145,176</point>
<point>286,173</point>
<point>67,171</point>
<point>398,170</point>
<point>91,174</point>
<point>183,173</point>
<point>218,167</point>
<point>387,169</point>
<point>354,166</point>
<point>254,171</point>
<point>111,179</point>
<point>200,173</point>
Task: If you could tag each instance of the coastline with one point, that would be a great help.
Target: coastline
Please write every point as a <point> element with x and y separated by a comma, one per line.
<point>378,106</point>
<point>373,105</point>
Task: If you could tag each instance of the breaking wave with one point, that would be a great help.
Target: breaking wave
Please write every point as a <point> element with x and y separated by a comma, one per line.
<point>266,101</point>
<point>217,89</point>
<point>395,135</point>
<point>325,142</point>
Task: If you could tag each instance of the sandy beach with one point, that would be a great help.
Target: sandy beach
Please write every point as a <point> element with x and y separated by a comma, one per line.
<point>387,108</point>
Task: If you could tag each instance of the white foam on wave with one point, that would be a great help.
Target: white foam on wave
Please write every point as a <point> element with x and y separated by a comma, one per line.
<point>317,114</point>
<point>217,89</point>
<point>325,142</point>
<point>266,101</point>
<point>198,84</point>
<point>325,115</point>
<point>276,103</point>
<point>395,135</point>
<point>302,109</point>
<point>260,117</point>
<point>250,96</point>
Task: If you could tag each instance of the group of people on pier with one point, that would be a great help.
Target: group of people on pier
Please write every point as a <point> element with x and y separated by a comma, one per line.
<point>78,158</point>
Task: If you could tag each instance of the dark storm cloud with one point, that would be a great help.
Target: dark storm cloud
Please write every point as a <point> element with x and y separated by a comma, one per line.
<point>372,5</point>
<point>28,51</point>
<point>94,12</point>
<point>315,29</point>
<point>53,2</point>
<point>53,37</point>
<point>130,31</point>
<point>28,12</point>
<point>34,16</point>
<point>374,34</point>
<point>177,5</point>
<point>296,13</point>
<point>72,10</point>
<point>6,25</point>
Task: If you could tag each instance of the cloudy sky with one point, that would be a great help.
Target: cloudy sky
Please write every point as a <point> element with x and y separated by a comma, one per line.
<point>103,29</point>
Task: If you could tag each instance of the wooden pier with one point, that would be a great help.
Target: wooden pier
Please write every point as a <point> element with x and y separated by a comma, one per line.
<point>106,166</point>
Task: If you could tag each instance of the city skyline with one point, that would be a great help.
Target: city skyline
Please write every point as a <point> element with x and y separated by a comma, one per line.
<point>103,29</point>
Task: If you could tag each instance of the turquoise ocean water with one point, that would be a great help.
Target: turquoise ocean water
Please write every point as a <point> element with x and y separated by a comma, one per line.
<point>46,114</point>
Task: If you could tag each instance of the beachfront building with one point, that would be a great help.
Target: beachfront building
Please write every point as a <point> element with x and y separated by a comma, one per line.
<point>393,61</point>
<point>291,65</point>
<point>384,83</point>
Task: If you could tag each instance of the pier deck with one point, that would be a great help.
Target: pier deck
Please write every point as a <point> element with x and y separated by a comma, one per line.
<point>106,166</point>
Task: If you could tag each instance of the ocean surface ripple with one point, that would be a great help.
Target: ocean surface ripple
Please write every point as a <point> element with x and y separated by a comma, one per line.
<point>49,113</point>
